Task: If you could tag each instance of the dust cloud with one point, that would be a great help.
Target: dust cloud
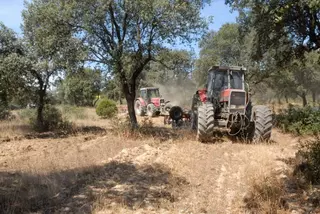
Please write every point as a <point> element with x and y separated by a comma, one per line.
<point>178,94</point>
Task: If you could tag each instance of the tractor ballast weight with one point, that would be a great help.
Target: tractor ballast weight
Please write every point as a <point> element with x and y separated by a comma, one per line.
<point>149,102</point>
<point>225,103</point>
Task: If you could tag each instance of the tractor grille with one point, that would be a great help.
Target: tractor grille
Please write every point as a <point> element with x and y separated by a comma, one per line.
<point>238,98</point>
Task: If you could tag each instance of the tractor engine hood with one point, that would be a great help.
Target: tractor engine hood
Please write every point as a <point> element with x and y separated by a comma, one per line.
<point>156,101</point>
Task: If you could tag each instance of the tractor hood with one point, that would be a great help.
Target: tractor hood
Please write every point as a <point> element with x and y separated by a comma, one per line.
<point>156,101</point>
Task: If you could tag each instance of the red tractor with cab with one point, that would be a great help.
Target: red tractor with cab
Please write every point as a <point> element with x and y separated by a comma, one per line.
<point>151,103</point>
<point>225,103</point>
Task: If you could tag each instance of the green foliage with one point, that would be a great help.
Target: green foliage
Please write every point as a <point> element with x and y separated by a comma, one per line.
<point>219,48</point>
<point>27,114</point>
<point>80,88</point>
<point>299,120</point>
<point>52,120</point>
<point>124,36</point>
<point>311,154</point>
<point>170,65</point>
<point>289,26</point>
<point>4,113</point>
<point>12,66</point>
<point>106,108</point>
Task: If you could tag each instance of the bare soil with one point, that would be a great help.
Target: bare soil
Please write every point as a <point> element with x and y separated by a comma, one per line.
<point>106,173</point>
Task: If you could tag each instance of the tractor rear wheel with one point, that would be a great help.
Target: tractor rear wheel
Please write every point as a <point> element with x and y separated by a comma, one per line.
<point>138,108</point>
<point>205,122</point>
<point>260,128</point>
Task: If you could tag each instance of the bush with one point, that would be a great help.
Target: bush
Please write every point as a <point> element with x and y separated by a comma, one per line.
<point>299,120</point>
<point>52,120</point>
<point>106,108</point>
<point>4,113</point>
<point>310,152</point>
<point>26,114</point>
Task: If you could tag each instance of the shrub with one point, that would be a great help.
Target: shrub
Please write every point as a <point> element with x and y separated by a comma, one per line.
<point>311,155</point>
<point>26,114</point>
<point>106,108</point>
<point>299,120</point>
<point>52,120</point>
<point>4,113</point>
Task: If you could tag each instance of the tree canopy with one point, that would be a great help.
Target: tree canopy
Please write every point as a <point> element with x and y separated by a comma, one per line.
<point>290,27</point>
<point>124,36</point>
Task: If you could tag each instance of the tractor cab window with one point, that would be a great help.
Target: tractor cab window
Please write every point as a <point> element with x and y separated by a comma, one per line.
<point>153,93</point>
<point>143,94</point>
<point>218,80</point>
<point>236,80</point>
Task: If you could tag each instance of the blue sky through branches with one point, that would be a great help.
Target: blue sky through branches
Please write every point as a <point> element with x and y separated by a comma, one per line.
<point>10,15</point>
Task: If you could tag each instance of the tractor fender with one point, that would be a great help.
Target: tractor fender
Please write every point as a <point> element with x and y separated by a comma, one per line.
<point>143,103</point>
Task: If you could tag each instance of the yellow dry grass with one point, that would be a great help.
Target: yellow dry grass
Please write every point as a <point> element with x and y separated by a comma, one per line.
<point>159,170</point>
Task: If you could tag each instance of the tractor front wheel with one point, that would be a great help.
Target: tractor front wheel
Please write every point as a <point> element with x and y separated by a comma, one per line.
<point>138,108</point>
<point>151,112</point>
<point>205,122</point>
<point>260,128</point>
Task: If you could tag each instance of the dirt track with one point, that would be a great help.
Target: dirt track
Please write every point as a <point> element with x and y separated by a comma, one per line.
<point>181,176</point>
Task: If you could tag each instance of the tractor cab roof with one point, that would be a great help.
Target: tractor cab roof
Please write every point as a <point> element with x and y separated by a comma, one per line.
<point>149,88</point>
<point>226,68</point>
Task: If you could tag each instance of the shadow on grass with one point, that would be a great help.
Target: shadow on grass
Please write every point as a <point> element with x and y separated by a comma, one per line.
<point>82,190</point>
<point>67,132</point>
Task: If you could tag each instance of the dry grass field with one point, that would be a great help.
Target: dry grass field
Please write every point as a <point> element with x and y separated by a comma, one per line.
<point>102,168</point>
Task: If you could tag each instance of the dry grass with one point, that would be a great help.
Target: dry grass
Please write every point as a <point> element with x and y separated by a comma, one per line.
<point>160,170</point>
<point>265,196</point>
<point>13,129</point>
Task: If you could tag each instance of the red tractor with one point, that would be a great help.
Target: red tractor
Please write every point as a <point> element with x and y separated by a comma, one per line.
<point>225,103</point>
<point>151,103</point>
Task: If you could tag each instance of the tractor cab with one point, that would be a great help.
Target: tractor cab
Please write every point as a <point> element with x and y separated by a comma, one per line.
<point>222,80</point>
<point>150,95</point>
<point>226,86</point>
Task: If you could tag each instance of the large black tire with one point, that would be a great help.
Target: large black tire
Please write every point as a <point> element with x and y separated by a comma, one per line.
<point>260,128</point>
<point>138,108</point>
<point>205,122</point>
<point>176,113</point>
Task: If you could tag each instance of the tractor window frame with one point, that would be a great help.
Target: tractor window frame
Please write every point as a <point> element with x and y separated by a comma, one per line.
<point>236,80</point>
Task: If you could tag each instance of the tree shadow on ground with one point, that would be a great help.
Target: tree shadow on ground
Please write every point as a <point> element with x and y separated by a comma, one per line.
<point>80,190</point>
<point>67,133</point>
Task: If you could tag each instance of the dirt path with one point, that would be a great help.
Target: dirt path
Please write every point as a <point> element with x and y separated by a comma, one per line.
<point>181,176</point>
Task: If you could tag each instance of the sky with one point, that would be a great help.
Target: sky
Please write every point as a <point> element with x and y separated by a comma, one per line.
<point>10,15</point>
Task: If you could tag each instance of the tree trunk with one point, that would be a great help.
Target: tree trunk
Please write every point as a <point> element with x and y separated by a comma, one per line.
<point>40,121</point>
<point>130,97</point>
<point>286,97</point>
<point>304,99</point>
<point>314,98</point>
<point>132,114</point>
